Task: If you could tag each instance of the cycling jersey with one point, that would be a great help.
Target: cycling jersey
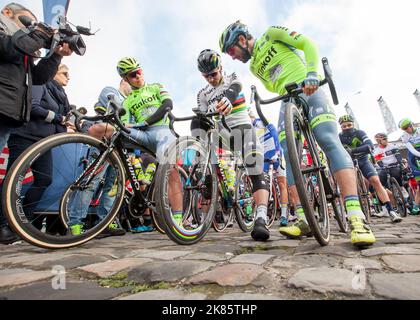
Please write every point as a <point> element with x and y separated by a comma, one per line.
<point>276,61</point>
<point>119,98</point>
<point>387,156</point>
<point>144,102</point>
<point>359,142</point>
<point>209,96</point>
<point>269,140</point>
<point>412,142</point>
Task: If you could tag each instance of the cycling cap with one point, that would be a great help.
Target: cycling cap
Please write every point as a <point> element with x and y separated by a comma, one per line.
<point>231,34</point>
<point>127,65</point>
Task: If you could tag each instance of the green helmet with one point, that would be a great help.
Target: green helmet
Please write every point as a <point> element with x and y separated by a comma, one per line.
<point>405,123</point>
<point>231,34</point>
<point>127,65</point>
<point>346,118</point>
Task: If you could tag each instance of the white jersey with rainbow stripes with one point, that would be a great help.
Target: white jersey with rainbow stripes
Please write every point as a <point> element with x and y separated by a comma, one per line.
<point>209,96</point>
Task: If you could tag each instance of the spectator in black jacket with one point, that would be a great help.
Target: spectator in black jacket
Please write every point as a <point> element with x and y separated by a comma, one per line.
<point>50,106</point>
<point>18,73</point>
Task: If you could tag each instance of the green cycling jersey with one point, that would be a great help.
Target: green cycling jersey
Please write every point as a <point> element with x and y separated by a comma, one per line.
<point>145,101</point>
<point>276,60</point>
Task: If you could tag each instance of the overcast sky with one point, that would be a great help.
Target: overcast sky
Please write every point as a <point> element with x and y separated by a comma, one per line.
<point>373,47</point>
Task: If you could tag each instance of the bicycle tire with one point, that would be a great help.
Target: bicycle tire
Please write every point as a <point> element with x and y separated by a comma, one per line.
<point>340,212</point>
<point>13,186</point>
<point>399,197</point>
<point>179,233</point>
<point>363,196</point>
<point>226,214</point>
<point>293,117</point>
<point>273,205</point>
<point>243,199</point>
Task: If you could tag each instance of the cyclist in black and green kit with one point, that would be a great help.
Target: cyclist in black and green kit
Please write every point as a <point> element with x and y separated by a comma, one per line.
<point>275,60</point>
<point>149,104</point>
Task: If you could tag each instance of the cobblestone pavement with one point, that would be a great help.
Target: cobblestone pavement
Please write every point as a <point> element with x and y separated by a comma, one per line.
<point>227,266</point>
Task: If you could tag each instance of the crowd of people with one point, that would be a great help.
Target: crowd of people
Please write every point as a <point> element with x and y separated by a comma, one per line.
<point>34,105</point>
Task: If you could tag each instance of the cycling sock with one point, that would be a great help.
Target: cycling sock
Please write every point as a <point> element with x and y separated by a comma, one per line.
<point>388,206</point>
<point>283,208</point>
<point>300,213</point>
<point>177,215</point>
<point>262,212</point>
<point>147,221</point>
<point>353,207</point>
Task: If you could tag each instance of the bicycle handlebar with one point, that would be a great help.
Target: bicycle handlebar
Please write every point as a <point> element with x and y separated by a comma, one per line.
<point>294,90</point>
<point>198,114</point>
<point>113,117</point>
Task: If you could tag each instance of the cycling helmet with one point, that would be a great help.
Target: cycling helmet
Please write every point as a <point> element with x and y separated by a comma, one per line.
<point>231,34</point>
<point>208,60</point>
<point>99,108</point>
<point>381,136</point>
<point>405,123</point>
<point>127,65</point>
<point>346,118</point>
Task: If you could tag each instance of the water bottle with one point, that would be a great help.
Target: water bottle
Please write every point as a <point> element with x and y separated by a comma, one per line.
<point>150,173</point>
<point>138,169</point>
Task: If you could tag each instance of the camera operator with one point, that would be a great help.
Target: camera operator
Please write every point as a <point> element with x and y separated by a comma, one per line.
<point>18,73</point>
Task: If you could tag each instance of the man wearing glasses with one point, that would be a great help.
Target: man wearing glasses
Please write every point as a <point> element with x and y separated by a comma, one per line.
<point>389,159</point>
<point>223,93</point>
<point>276,60</point>
<point>411,139</point>
<point>149,104</point>
<point>359,146</point>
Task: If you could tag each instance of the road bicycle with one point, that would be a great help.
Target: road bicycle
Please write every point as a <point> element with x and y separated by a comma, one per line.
<point>206,183</point>
<point>298,132</point>
<point>79,176</point>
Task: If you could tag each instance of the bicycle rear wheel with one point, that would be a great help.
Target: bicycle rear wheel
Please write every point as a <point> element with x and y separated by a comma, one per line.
<point>178,195</point>
<point>273,205</point>
<point>224,213</point>
<point>80,164</point>
<point>400,204</point>
<point>316,211</point>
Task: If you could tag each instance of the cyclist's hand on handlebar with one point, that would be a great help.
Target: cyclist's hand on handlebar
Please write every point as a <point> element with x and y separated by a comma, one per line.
<point>311,84</point>
<point>224,106</point>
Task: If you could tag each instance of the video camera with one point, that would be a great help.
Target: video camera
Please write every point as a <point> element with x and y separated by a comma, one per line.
<point>65,34</point>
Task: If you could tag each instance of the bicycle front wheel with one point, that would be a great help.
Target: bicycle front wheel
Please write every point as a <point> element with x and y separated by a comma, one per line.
<point>363,195</point>
<point>313,199</point>
<point>187,203</point>
<point>400,204</point>
<point>83,174</point>
<point>245,203</point>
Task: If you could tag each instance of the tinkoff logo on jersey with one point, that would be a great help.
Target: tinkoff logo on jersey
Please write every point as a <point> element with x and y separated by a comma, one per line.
<point>263,67</point>
<point>145,101</point>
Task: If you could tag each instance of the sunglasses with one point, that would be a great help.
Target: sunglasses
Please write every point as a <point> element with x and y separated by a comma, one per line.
<point>66,74</point>
<point>211,75</point>
<point>134,74</point>
<point>231,50</point>
<point>347,126</point>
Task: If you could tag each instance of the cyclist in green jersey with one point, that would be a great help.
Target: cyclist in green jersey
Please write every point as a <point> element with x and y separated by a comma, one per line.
<point>275,60</point>
<point>149,104</point>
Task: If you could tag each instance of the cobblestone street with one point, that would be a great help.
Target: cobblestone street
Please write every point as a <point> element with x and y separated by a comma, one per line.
<point>227,266</point>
